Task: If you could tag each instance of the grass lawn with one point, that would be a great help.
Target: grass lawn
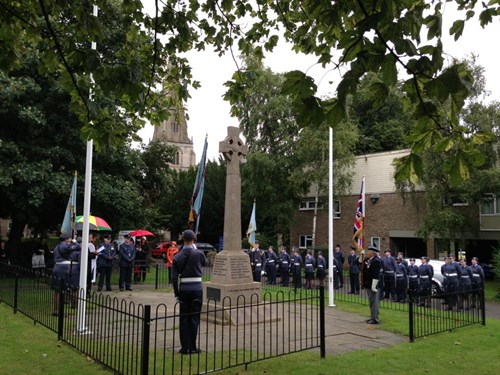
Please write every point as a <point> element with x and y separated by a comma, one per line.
<point>32,349</point>
<point>492,290</point>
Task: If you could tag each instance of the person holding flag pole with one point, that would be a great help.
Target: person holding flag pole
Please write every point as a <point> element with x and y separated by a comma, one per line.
<point>359,226</point>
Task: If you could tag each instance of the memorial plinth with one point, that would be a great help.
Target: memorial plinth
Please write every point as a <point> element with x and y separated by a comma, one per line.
<point>232,282</point>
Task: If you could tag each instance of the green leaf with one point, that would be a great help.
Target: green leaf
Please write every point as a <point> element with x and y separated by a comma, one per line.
<point>408,168</point>
<point>389,70</point>
<point>457,29</point>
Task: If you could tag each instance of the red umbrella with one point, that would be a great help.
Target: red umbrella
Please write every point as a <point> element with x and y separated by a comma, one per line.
<point>140,233</point>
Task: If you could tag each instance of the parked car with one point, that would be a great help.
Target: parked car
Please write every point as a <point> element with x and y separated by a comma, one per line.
<point>205,247</point>
<point>160,251</point>
<point>438,279</point>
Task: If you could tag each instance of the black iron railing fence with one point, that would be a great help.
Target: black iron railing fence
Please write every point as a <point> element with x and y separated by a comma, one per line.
<point>131,338</point>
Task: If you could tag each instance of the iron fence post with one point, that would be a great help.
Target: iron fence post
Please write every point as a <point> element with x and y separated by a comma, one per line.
<point>410,318</point>
<point>16,287</point>
<point>156,277</point>
<point>60,310</point>
<point>483,308</point>
<point>146,324</point>
<point>322,321</point>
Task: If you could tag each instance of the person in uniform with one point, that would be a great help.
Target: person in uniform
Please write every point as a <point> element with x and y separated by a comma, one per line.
<point>371,274</point>
<point>284,266</point>
<point>477,282</point>
<point>187,269</point>
<point>321,269</point>
<point>425,275</point>
<point>389,267</point>
<point>61,273</point>
<point>451,272</point>
<point>171,251</point>
<point>353,261</point>
<point>464,285</point>
<point>259,262</point>
<point>126,255</point>
<point>271,266</point>
<point>403,261</point>
<point>413,279</point>
<point>106,254</point>
<point>309,268</point>
<point>141,260</point>
<point>339,256</point>
<point>401,281</point>
<point>296,265</point>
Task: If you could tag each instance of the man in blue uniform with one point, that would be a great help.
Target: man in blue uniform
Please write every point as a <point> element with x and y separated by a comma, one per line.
<point>309,267</point>
<point>296,261</point>
<point>321,269</point>
<point>389,267</point>
<point>271,266</point>
<point>425,275</point>
<point>187,269</point>
<point>126,254</point>
<point>401,281</point>
<point>106,253</point>
<point>284,266</point>
<point>257,261</point>
<point>451,272</point>
<point>413,279</point>
<point>477,282</point>
<point>353,261</point>
<point>339,256</point>
<point>464,285</point>
<point>371,274</point>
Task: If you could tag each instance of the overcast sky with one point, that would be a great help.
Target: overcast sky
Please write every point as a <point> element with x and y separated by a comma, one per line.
<point>209,113</point>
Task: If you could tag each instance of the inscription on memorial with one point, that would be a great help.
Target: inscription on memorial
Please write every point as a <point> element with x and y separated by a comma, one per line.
<point>220,266</point>
<point>239,268</point>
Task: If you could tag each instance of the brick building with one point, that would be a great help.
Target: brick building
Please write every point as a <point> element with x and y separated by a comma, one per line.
<point>391,221</point>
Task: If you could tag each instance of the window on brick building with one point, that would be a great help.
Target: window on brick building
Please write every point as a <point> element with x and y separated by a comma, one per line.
<point>305,241</point>
<point>375,241</point>
<point>490,205</point>
<point>309,204</point>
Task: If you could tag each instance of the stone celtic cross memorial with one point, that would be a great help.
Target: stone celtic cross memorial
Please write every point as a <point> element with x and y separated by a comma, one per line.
<point>232,273</point>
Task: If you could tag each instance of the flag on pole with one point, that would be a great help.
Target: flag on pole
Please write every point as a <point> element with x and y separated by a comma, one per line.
<point>195,202</point>
<point>359,219</point>
<point>252,228</point>
<point>68,224</point>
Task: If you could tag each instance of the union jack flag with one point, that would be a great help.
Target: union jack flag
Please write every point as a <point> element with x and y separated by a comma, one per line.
<point>359,218</point>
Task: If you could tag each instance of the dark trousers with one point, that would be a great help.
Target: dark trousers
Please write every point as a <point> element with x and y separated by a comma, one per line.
<point>104,273</point>
<point>297,279</point>
<point>257,274</point>
<point>125,276</point>
<point>389,286</point>
<point>189,321</point>
<point>271,274</point>
<point>284,276</point>
<point>354,279</point>
<point>401,289</point>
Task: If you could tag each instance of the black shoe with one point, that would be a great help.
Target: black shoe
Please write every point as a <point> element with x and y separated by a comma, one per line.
<point>99,290</point>
<point>109,290</point>
<point>373,321</point>
<point>183,351</point>
<point>195,351</point>
<point>121,289</point>
<point>129,289</point>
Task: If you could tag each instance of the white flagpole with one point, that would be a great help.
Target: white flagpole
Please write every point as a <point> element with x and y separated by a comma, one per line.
<point>330,221</point>
<point>82,297</point>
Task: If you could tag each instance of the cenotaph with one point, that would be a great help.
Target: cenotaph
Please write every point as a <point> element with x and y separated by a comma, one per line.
<point>232,273</point>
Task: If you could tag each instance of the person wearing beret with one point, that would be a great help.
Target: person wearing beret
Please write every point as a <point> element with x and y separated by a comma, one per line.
<point>106,253</point>
<point>371,274</point>
<point>126,254</point>
<point>187,270</point>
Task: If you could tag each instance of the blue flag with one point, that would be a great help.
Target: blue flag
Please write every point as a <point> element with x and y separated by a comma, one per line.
<point>252,228</point>
<point>194,214</point>
<point>69,216</point>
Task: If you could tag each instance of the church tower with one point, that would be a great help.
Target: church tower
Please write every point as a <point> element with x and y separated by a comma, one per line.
<point>174,132</point>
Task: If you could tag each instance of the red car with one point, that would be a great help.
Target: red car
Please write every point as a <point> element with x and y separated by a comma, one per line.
<point>160,251</point>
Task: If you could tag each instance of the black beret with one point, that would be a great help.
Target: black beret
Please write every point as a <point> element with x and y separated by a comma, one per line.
<point>65,236</point>
<point>189,235</point>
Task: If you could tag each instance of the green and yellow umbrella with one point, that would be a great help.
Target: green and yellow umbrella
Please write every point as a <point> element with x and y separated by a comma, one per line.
<point>95,223</point>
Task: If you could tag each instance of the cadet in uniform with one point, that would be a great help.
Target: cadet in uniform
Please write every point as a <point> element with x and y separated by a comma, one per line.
<point>401,281</point>
<point>451,272</point>
<point>296,264</point>
<point>284,266</point>
<point>256,260</point>
<point>188,267</point>
<point>309,268</point>
<point>353,261</point>
<point>106,254</point>
<point>339,256</point>
<point>389,267</point>
<point>371,274</point>
<point>477,282</point>
<point>425,275</point>
<point>413,279</point>
<point>271,266</point>
<point>464,285</point>
<point>126,254</point>
<point>321,269</point>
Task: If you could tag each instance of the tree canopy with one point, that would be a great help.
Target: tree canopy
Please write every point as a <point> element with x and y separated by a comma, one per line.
<point>355,37</point>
